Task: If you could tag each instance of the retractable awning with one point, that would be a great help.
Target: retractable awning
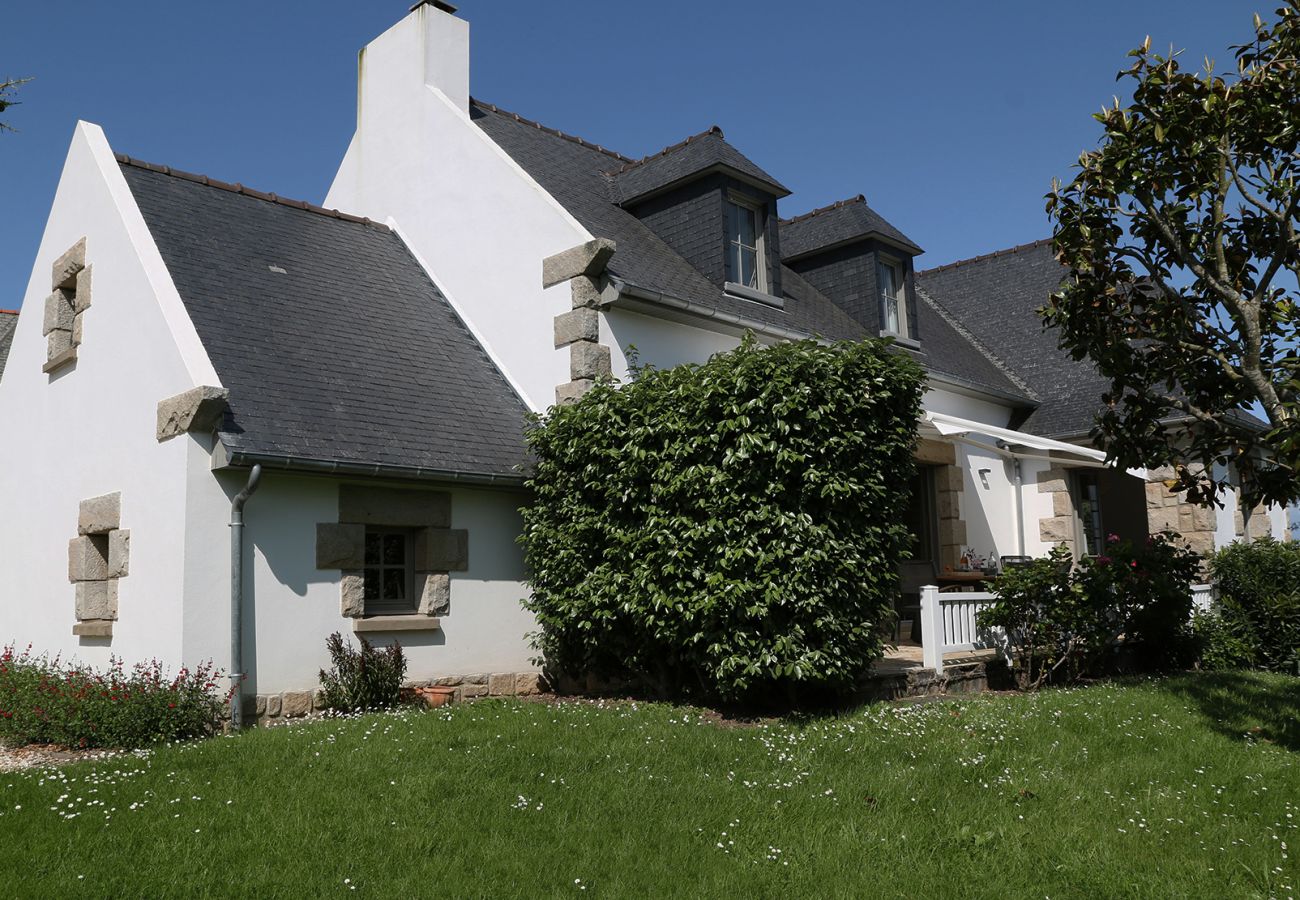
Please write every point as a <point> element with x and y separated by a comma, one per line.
<point>953,426</point>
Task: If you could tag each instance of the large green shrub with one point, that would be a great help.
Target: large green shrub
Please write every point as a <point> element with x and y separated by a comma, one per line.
<point>1066,620</point>
<point>47,701</point>
<point>730,530</point>
<point>1259,604</point>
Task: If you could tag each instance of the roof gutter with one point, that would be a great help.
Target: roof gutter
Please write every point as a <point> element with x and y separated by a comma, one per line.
<point>667,301</point>
<point>225,457</point>
<point>970,387</point>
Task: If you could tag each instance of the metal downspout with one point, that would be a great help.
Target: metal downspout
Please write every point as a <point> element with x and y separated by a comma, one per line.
<point>237,596</point>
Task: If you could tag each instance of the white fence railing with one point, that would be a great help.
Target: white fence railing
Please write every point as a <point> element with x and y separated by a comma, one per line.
<point>948,625</point>
<point>948,622</point>
<point>1202,597</point>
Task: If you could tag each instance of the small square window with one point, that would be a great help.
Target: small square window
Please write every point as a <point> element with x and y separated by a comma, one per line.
<point>389,579</point>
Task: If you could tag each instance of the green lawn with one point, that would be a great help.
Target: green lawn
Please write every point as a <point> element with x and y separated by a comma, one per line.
<point>1183,787</point>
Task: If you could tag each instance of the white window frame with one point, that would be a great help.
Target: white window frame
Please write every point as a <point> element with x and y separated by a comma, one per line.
<point>386,607</point>
<point>760,242</point>
<point>900,296</point>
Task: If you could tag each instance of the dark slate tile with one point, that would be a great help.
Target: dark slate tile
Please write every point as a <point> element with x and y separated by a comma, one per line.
<point>350,355</point>
<point>835,224</point>
<point>696,154</point>
<point>8,323</point>
<point>996,297</point>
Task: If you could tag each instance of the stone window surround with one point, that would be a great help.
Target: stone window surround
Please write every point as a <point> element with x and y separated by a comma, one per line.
<point>97,558</point>
<point>1166,510</point>
<point>65,306</point>
<point>438,550</point>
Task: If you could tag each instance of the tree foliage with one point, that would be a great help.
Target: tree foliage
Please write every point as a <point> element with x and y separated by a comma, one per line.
<point>1180,230</point>
<point>730,530</point>
<point>7,90</point>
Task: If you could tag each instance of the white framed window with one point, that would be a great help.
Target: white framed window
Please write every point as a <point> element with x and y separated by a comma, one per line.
<point>389,577</point>
<point>746,259</point>
<point>893,297</point>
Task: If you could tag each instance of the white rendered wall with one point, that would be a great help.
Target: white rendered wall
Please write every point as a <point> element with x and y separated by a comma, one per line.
<point>988,502</point>
<point>291,607</point>
<point>1278,526</point>
<point>478,221</point>
<point>1038,505</point>
<point>988,496</point>
<point>951,403</point>
<point>659,342</point>
<point>89,428</point>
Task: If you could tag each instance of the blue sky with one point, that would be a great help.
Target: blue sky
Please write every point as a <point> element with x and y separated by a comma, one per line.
<point>951,117</point>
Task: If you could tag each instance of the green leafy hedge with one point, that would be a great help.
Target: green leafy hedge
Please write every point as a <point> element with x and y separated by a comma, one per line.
<point>1258,608</point>
<point>726,530</point>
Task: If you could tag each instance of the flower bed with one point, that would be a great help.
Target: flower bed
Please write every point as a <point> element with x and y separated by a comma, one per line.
<point>47,701</point>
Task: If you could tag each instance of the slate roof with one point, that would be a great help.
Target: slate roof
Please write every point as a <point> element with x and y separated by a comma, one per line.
<point>839,223</point>
<point>8,322</point>
<point>995,297</point>
<point>577,174</point>
<point>335,345</point>
<point>699,153</point>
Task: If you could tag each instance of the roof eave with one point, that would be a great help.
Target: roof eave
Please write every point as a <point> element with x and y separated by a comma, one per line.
<point>905,245</point>
<point>224,456</point>
<point>774,188</point>
<point>971,388</point>
<point>626,290</point>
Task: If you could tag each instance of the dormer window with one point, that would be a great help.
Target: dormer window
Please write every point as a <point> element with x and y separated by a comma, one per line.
<point>893,301</point>
<point>745,254</point>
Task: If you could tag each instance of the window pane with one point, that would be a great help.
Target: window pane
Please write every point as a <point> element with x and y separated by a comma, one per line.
<point>394,549</point>
<point>891,314</point>
<point>748,269</point>
<point>732,267</point>
<point>371,588</point>
<point>746,230</point>
<point>1090,512</point>
<point>394,584</point>
<point>372,549</point>
<point>888,288</point>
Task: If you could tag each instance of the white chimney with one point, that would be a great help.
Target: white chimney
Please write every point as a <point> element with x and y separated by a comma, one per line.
<point>446,50</point>
<point>428,47</point>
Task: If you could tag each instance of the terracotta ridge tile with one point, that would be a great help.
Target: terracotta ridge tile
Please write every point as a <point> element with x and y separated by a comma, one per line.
<point>551,131</point>
<point>838,204</point>
<point>672,148</point>
<point>238,188</point>
<point>986,256</point>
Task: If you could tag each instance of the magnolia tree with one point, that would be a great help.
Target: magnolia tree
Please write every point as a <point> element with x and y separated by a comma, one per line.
<point>1180,230</point>
<point>7,89</point>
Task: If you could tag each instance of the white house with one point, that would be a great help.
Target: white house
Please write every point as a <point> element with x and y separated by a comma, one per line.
<point>352,386</point>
